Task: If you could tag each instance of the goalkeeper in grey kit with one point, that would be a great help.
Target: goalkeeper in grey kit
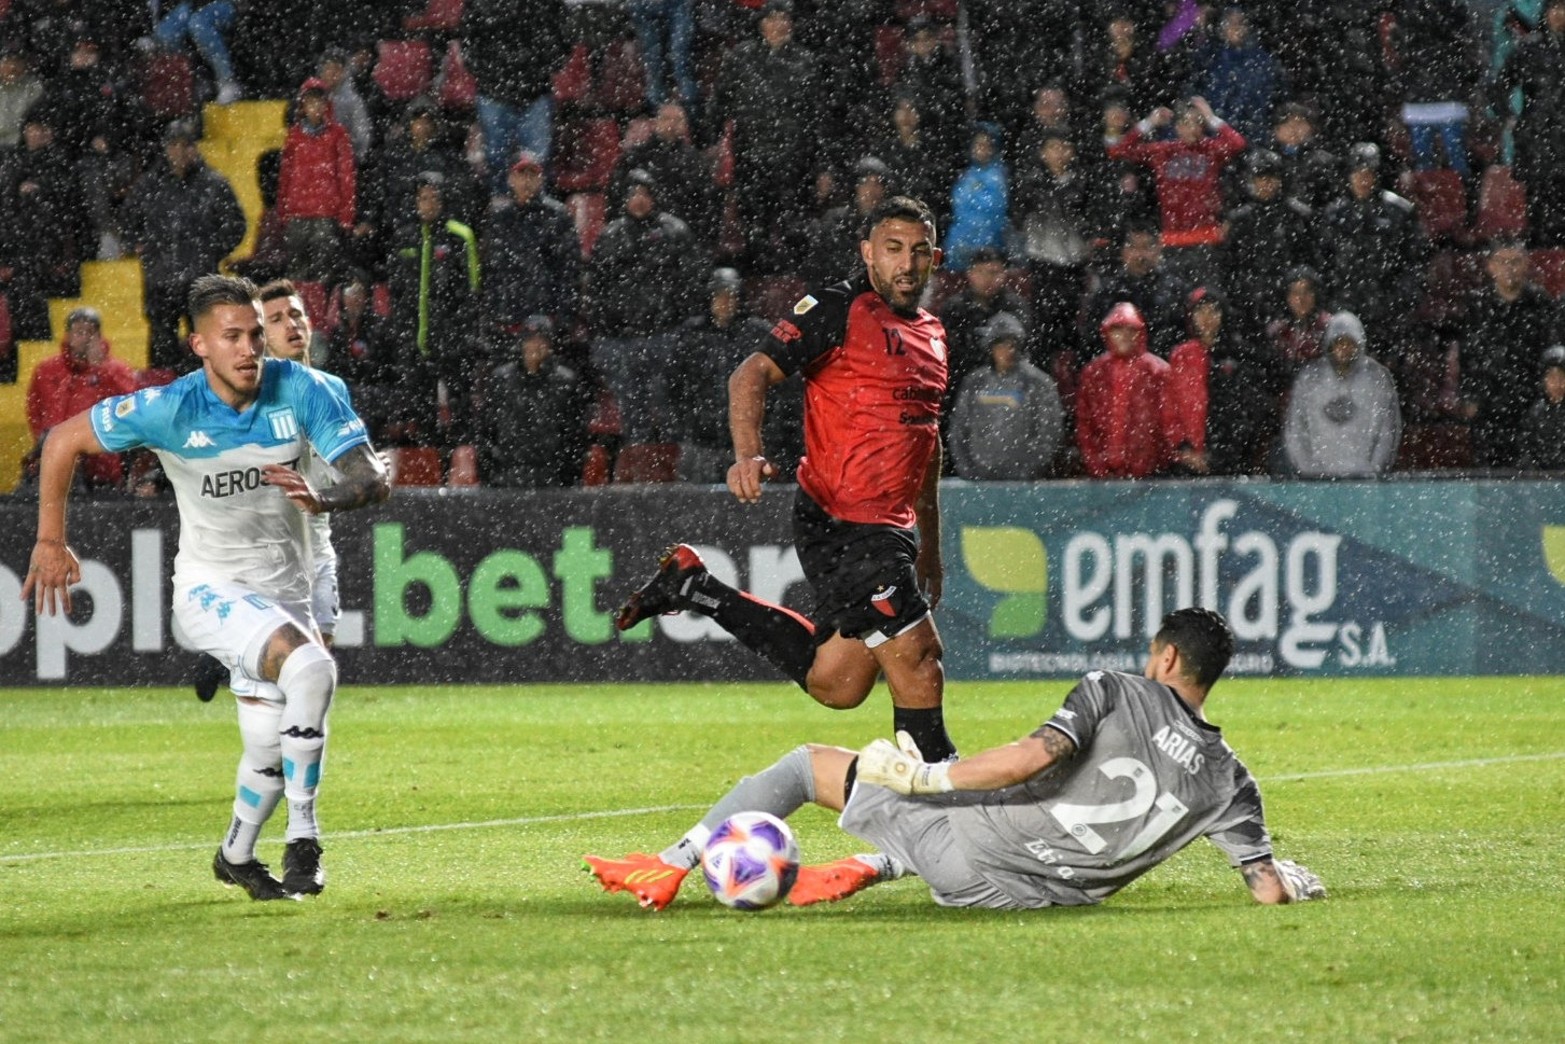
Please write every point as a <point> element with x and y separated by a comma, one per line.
<point>1125,774</point>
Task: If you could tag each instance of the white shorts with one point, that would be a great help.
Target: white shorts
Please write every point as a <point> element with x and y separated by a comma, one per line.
<point>233,624</point>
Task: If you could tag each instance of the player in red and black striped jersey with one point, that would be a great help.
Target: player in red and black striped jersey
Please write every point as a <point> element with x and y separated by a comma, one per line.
<point>867,513</point>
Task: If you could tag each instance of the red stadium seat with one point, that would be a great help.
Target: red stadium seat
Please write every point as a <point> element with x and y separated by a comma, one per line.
<point>1441,199</point>
<point>888,53</point>
<point>317,303</point>
<point>621,83</point>
<point>585,154</point>
<point>590,211</point>
<point>416,466</point>
<point>440,16</point>
<point>458,86</point>
<point>167,85</point>
<point>1548,270</point>
<point>1502,206</point>
<point>573,83</point>
<point>595,470</point>
<point>464,467</point>
<point>646,462</point>
<point>403,69</point>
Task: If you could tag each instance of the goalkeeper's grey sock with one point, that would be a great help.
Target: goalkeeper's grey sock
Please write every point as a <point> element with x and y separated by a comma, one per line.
<point>780,790</point>
<point>887,868</point>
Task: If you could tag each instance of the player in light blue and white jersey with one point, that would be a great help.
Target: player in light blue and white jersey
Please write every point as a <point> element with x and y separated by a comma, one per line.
<point>286,327</point>
<point>231,438</point>
<point>1124,775</point>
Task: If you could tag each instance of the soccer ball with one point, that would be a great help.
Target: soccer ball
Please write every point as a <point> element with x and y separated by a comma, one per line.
<point>751,861</point>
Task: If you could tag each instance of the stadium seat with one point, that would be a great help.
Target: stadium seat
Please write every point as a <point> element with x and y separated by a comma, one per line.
<point>464,467</point>
<point>1502,206</point>
<point>167,85</point>
<point>589,210</point>
<point>1441,199</point>
<point>316,302</point>
<point>621,83</point>
<point>438,16</point>
<point>888,54</point>
<point>458,86</point>
<point>573,83</point>
<point>595,469</point>
<point>646,462</point>
<point>1548,270</point>
<point>1450,277</point>
<point>403,69</point>
<point>585,154</point>
<point>416,466</point>
<point>773,297</point>
<point>380,299</point>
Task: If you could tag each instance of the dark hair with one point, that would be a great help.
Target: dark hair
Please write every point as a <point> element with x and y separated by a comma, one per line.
<point>1204,640</point>
<point>210,291</point>
<point>275,289</point>
<point>898,208</point>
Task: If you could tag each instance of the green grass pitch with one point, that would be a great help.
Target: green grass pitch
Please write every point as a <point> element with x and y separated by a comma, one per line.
<point>455,819</point>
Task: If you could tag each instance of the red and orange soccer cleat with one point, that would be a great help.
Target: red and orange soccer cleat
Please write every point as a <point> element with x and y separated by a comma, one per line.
<point>829,882</point>
<point>653,882</point>
<point>667,591</point>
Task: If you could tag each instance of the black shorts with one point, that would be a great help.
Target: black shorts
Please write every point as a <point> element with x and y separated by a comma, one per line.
<point>863,574</point>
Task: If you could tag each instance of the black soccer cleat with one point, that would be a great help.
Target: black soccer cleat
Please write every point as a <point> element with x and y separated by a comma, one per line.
<point>302,870</point>
<point>253,877</point>
<point>667,591</point>
<point>210,675</point>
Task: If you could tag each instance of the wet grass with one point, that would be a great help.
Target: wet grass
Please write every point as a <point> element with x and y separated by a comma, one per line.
<point>456,909</point>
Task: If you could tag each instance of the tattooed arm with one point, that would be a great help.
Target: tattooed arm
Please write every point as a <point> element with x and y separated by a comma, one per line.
<point>364,482</point>
<point>1013,763</point>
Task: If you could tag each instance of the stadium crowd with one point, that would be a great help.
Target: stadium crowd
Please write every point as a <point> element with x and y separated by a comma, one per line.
<point>1316,239</point>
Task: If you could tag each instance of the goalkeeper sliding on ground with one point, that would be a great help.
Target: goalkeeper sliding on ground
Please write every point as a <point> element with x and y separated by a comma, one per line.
<point>1124,775</point>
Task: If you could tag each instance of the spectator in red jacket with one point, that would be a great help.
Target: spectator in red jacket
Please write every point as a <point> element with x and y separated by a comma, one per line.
<point>1121,428</point>
<point>316,187</point>
<point>1187,172</point>
<point>83,373</point>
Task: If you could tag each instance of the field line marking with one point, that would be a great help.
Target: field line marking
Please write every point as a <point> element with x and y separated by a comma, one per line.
<point>572,817</point>
<point>1428,766</point>
<point>427,828</point>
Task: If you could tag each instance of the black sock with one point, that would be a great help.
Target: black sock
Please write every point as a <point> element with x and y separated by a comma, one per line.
<point>782,636</point>
<point>927,726</point>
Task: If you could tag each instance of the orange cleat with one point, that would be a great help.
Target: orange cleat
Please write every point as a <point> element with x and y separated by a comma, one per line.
<point>831,881</point>
<point>653,882</point>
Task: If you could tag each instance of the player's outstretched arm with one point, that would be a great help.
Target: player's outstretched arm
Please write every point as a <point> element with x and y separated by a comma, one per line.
<point>365,481</point>
<point>900,768</point>
<point>54,567</point>
<point>1281,881</point>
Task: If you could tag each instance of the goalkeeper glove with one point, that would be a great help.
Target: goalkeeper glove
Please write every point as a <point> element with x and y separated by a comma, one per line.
<point>901,768</point>
<point>1298,881</point>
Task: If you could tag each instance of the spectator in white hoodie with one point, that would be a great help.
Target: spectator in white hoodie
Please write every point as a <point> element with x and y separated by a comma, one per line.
<point>1344,419</point>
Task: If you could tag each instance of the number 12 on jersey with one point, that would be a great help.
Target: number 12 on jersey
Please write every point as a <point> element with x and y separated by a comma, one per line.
<point>1080,819</point>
